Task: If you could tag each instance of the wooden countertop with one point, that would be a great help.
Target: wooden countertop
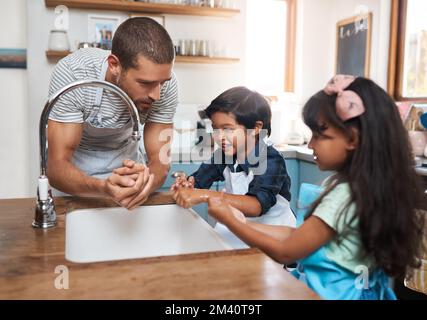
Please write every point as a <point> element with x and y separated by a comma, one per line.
<point>28,258</point>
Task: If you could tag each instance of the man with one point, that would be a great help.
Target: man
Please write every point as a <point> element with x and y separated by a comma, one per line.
<point>89,129</point>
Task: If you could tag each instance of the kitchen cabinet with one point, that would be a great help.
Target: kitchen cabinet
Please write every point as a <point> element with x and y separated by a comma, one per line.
<point>292,166</point>
<point>310,173</point>
<point>301,171</point>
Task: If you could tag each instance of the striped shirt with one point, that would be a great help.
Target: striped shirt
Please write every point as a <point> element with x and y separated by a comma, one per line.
<point>78,105</point>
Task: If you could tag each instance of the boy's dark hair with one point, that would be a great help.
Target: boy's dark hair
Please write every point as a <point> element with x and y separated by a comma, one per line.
<point>245,105</point>
<point>381,175</point>
<point>142,36</point>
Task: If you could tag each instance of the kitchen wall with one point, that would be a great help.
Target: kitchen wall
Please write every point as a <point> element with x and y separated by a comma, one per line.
<point>14,151</point>
<point>201,83</point>
<point>316,42</point>
<point>381,10</point>
<point>316,46</point>
<point>40,20</point>
<point>198,84</point>
<point>29,22</point>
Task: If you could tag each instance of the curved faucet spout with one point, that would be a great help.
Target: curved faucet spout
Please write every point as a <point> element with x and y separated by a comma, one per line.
<point>136,135</point>
<point>45,210</point>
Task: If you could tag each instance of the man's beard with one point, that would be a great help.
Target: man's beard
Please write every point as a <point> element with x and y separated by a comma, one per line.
<point>146,102</point>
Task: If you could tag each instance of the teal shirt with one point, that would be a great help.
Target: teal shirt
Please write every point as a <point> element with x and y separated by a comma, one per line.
<point>348,252</point>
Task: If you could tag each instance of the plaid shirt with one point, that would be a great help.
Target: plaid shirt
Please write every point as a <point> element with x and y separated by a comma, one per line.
<point>275,180</point>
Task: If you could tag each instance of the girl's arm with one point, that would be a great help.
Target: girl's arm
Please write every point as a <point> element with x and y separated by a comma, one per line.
<point>293,245</point>
<point>277,232</point>
<point>249,205</point>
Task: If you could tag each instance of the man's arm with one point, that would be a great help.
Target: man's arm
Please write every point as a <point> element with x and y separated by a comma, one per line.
<point>63,139</point>
<point>157,141</point>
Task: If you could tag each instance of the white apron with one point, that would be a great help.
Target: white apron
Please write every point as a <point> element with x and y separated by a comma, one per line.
<point>280,214</point>
<point>109,147</point>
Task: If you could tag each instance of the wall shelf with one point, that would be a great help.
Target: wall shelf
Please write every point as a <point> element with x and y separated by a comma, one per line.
<point>179,59</point>
<point>131,6</point>
<point>206,60</point>
<point>50,54</point>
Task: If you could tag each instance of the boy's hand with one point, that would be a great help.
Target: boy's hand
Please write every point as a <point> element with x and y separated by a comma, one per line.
<point>188,197</point>
<point>183,182</point>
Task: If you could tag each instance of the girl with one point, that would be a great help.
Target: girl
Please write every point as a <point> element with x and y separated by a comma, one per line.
<point>256,180</point>
<point>365,223</point>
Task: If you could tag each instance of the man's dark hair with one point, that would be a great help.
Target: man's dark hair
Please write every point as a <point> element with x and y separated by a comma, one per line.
<point>142,36</point>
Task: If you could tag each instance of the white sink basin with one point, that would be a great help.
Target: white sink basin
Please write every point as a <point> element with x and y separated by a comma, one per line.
<point>106,234</point>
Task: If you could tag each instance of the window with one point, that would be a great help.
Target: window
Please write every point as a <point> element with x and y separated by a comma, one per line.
<point>408,50</point>
<point>270,45</point>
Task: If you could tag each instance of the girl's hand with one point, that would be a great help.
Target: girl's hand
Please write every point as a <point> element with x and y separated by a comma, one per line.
<point>183,182</point>
<point>188,197</point>
<point>223,212</point>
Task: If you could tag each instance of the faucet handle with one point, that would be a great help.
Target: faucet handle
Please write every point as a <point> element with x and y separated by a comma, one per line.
<point>43,188</point>
<point>45,216</point>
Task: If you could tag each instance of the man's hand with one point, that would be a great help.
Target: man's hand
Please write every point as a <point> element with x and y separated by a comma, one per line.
<point>188,197</point>
<point>130,168</point>
<point>120,187</point>
<point>134,170</point>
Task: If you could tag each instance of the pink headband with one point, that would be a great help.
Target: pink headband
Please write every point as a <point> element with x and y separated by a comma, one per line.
<point>348,104</point>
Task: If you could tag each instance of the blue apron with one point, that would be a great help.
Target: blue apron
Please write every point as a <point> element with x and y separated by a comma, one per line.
<point>327,278</point>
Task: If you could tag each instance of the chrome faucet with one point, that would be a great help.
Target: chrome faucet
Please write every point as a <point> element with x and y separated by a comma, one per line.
<point>45,215</point>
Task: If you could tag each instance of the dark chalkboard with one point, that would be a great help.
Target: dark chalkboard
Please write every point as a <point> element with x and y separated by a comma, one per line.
<point>353,45</point>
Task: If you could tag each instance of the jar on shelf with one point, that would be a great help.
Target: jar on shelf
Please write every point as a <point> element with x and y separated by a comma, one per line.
<point>193,49</point>
<point>58,40</point>
<point>182,46</point>
<point>204,48</point>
